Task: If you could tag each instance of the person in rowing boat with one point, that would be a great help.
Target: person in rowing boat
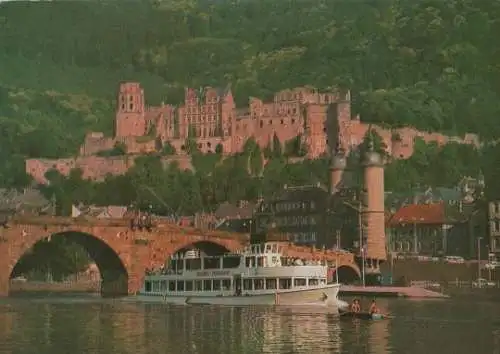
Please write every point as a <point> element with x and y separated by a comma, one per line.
<point>373,308</point>
<point>355,306</point>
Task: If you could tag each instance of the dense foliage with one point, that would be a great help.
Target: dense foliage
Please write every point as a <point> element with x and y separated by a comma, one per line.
<point>432,64</point>
<point>216,179</point>
<point>57,258</point>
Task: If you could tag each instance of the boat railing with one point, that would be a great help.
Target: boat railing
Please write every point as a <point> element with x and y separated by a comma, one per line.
<point>164,271</point>
<point>297,262</point>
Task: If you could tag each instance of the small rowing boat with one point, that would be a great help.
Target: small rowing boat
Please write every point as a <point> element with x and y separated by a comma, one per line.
<point>362,315</point>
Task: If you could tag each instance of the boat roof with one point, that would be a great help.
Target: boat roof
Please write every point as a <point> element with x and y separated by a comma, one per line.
<point>256,249</point>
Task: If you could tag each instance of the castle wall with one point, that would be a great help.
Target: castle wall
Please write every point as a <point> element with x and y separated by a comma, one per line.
<point>93,167</point>
<point>138,145</point>
<point>94,143</point>
<point>321,119</point>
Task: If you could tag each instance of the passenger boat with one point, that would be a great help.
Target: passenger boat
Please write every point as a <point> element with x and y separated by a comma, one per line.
<point>257,275</point>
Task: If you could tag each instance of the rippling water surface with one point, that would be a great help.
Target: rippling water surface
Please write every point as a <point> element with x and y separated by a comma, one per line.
<point>92,325</point>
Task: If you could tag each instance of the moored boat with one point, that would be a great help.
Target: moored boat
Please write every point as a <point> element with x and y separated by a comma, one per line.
<point>258,275</point>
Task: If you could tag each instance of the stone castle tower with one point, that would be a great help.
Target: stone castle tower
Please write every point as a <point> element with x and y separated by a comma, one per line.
<point>130,115</point>
<point>373,211</point>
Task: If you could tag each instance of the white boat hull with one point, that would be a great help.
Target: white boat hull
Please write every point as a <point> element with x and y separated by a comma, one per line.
<point>325,295</point>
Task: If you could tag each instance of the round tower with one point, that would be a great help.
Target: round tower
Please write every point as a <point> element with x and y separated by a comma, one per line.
<point>338,165</point>
<point>374,209</point>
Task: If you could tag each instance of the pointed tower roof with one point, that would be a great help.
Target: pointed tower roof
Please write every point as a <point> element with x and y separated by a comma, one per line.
<point>371,157</point>
<point>338,160</point>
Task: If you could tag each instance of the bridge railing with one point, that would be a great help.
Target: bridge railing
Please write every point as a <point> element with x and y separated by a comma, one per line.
<point>87,221</point>
<point>67,221</point>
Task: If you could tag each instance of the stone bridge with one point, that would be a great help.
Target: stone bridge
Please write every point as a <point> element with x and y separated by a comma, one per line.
<point>123,254</point>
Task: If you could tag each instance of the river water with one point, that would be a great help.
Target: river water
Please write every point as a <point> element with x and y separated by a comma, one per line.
<point>87,324</point>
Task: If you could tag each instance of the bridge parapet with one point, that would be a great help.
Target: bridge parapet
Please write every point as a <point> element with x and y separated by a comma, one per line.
<point>66,221</point>
<point>318,254</point>
<point>159,228</point>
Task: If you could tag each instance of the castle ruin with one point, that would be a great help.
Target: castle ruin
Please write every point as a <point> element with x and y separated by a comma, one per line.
<point>210,117</point>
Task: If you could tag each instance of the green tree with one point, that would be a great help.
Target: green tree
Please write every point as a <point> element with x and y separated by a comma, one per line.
<point>168,149</point>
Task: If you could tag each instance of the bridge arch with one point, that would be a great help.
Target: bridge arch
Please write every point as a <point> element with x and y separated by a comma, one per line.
<point>348,274</point>
<point>210,248</point>
<point>112,268</point>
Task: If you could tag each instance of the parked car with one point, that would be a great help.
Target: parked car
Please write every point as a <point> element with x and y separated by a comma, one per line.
<point>20,279</point>
<point>483,283</point>
<point>454,259</point>
<point>492,265</point>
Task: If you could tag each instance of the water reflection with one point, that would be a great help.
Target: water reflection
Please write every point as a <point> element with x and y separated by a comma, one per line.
<point>7,321</point>
<point>113,327</point>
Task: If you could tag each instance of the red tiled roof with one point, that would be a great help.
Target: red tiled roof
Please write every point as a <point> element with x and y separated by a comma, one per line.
<point>419,214</point>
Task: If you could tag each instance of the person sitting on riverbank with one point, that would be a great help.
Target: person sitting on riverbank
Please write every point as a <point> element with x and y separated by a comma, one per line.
<point>373,308</point>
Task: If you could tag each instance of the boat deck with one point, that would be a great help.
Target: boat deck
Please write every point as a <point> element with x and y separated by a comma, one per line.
<point>390,291</point>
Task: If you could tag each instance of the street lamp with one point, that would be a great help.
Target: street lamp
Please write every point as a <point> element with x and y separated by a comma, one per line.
<point>479,261</point>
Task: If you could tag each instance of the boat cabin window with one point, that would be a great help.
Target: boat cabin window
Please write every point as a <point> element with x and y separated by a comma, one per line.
<point>171,285</point>
<point>177,264</point>
<point>216,285</point>
<point>299,282</point>
<point>193,263</point>
<point>198,285</point>
<point>285,283</point>
<point>271,283</point>
<point>258,284</point>
<point>156,286</point>
<point>260,261</point>
<point>250,262</point>
<point>147,286</point>
<point>231,262</point>
<point>211,263</point>
<point>313,281</point>
<point>226,284</point>
<point>189,285</point>
<point>180,285</point>
<point>207,285</point>
<point>247,284</point>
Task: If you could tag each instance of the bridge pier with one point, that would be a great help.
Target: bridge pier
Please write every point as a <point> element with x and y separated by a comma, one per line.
<point>4,286</point>
<point>114,285</point>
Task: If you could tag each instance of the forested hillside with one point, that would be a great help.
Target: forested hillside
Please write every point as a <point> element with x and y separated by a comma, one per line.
<point>432,64</point>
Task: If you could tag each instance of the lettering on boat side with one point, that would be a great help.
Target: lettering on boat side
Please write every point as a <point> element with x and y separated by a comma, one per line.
<point>215,273</point>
